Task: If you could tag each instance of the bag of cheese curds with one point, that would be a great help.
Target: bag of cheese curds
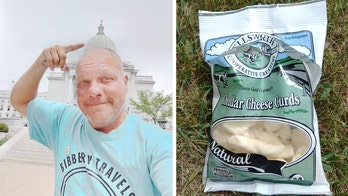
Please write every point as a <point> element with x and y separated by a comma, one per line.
<point>266,61</point>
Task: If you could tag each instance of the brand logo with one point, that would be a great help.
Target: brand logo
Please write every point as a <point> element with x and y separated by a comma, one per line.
<point>253,163</point>
<point>258,59</point>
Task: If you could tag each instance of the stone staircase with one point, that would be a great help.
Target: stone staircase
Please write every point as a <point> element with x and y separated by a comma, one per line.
<point>24,150</point>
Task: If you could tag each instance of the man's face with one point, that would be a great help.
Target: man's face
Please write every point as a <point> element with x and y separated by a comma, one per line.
<point>101,89</point>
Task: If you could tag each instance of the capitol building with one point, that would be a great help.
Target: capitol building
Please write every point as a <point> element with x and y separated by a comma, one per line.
<point>62,84</point>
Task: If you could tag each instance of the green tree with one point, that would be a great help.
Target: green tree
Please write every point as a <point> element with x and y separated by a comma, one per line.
<point>3,127</point>
<point>156,105</point>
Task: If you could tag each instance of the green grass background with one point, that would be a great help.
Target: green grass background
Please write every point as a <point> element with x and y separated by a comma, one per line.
<point>194,93</point>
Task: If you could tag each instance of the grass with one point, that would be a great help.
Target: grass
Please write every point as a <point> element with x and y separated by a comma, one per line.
<point>3,140</point>
<point>194,94</point>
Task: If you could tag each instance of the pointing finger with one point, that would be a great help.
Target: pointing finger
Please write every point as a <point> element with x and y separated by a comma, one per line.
<point>73,47</point>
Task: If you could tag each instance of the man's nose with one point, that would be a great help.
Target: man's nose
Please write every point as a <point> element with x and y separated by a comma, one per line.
<point>94,89</point>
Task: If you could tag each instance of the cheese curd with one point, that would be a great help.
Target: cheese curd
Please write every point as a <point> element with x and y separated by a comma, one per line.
<point>274,140</point>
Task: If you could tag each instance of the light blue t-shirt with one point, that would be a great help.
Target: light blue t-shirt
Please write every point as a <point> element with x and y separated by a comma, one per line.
<point>133,159</point>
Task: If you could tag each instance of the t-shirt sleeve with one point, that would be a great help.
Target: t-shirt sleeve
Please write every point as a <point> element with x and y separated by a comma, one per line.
<point>161,165</point>
<point>44,118</point>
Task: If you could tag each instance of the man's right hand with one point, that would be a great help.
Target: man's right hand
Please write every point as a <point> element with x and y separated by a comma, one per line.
<point>27,86</point>
<point>56,56</point>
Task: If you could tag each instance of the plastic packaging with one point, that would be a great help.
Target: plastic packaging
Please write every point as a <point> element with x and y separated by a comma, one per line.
<point>266,61</point>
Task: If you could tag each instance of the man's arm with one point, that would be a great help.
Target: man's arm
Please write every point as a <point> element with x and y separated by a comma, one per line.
<point>27,86</point>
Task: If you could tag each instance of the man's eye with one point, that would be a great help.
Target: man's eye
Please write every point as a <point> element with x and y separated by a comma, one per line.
<point>106,79</point>
<point>83,82</point>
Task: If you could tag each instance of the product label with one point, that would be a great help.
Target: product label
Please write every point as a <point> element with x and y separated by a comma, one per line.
<point>257,84</point>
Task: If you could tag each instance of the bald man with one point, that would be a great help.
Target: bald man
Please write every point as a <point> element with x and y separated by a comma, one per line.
<point>99,148</point>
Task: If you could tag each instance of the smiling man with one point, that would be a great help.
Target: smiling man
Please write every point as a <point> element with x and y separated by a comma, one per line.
<point>101,88</point>
<point>99,148</point>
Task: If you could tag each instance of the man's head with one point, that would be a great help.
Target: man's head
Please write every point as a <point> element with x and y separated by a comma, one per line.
<point>101,88</point>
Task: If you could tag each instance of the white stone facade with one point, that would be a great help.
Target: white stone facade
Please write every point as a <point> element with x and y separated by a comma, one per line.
<point>6,109</point>
<point>10,116</point>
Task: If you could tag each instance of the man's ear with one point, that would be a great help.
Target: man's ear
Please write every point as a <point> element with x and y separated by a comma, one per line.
<point>125,79</point>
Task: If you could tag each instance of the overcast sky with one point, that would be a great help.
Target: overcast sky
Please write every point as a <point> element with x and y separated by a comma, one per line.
<point>142,32</point>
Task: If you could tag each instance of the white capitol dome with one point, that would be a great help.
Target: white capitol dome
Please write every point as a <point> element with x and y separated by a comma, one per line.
<point>101,40</point>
